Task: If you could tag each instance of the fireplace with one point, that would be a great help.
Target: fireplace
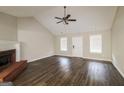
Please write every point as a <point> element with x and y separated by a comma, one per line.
<point>7,58</point>
<point>9,67</point>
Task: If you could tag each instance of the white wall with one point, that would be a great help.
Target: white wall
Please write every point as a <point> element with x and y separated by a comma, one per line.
<point>118,41</point>
<point>8,34</point>
<point>36,41</point>
<point>106,45</point>
<point>8,27</point>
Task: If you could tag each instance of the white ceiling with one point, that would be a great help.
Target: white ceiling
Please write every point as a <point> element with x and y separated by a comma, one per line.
<point>24,11</point>
<point>99,18</point>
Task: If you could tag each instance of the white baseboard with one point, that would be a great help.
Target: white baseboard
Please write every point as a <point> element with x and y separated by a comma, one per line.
<point>122,74</point>
<point>108,60</point>
<point>39,58</point>
<point>64,55</point>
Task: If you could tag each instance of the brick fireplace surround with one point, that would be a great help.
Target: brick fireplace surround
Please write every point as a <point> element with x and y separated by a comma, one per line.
<point>11,71</point>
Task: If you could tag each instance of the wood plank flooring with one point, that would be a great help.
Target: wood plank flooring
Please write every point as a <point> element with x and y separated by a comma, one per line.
<point>68,71</point>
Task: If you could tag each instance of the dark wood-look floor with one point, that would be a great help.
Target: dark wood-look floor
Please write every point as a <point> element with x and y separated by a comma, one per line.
<point>65,71</point>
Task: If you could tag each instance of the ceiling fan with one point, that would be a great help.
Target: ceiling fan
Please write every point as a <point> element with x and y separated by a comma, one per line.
<point>65,19</point>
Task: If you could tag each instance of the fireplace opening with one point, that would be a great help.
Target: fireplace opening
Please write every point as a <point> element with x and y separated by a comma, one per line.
<point>6,58</point>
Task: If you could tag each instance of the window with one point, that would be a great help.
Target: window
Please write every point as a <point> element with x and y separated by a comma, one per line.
<point>96,44</point>
<point>63,44</point>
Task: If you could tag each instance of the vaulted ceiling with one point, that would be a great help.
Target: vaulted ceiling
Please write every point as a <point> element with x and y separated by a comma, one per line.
<point>89,18</point>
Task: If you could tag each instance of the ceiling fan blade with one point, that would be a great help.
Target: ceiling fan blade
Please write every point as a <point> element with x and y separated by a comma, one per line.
<point>66,22</point>
<point>67,16</point>
<point>59,22</point>
<point>71,19</point>
<point>58,18</point>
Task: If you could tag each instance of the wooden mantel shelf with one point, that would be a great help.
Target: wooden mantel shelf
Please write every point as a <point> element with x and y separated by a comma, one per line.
<point>12,71</point>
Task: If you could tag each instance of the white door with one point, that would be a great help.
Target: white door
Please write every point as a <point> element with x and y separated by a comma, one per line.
<point>77,46</point>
